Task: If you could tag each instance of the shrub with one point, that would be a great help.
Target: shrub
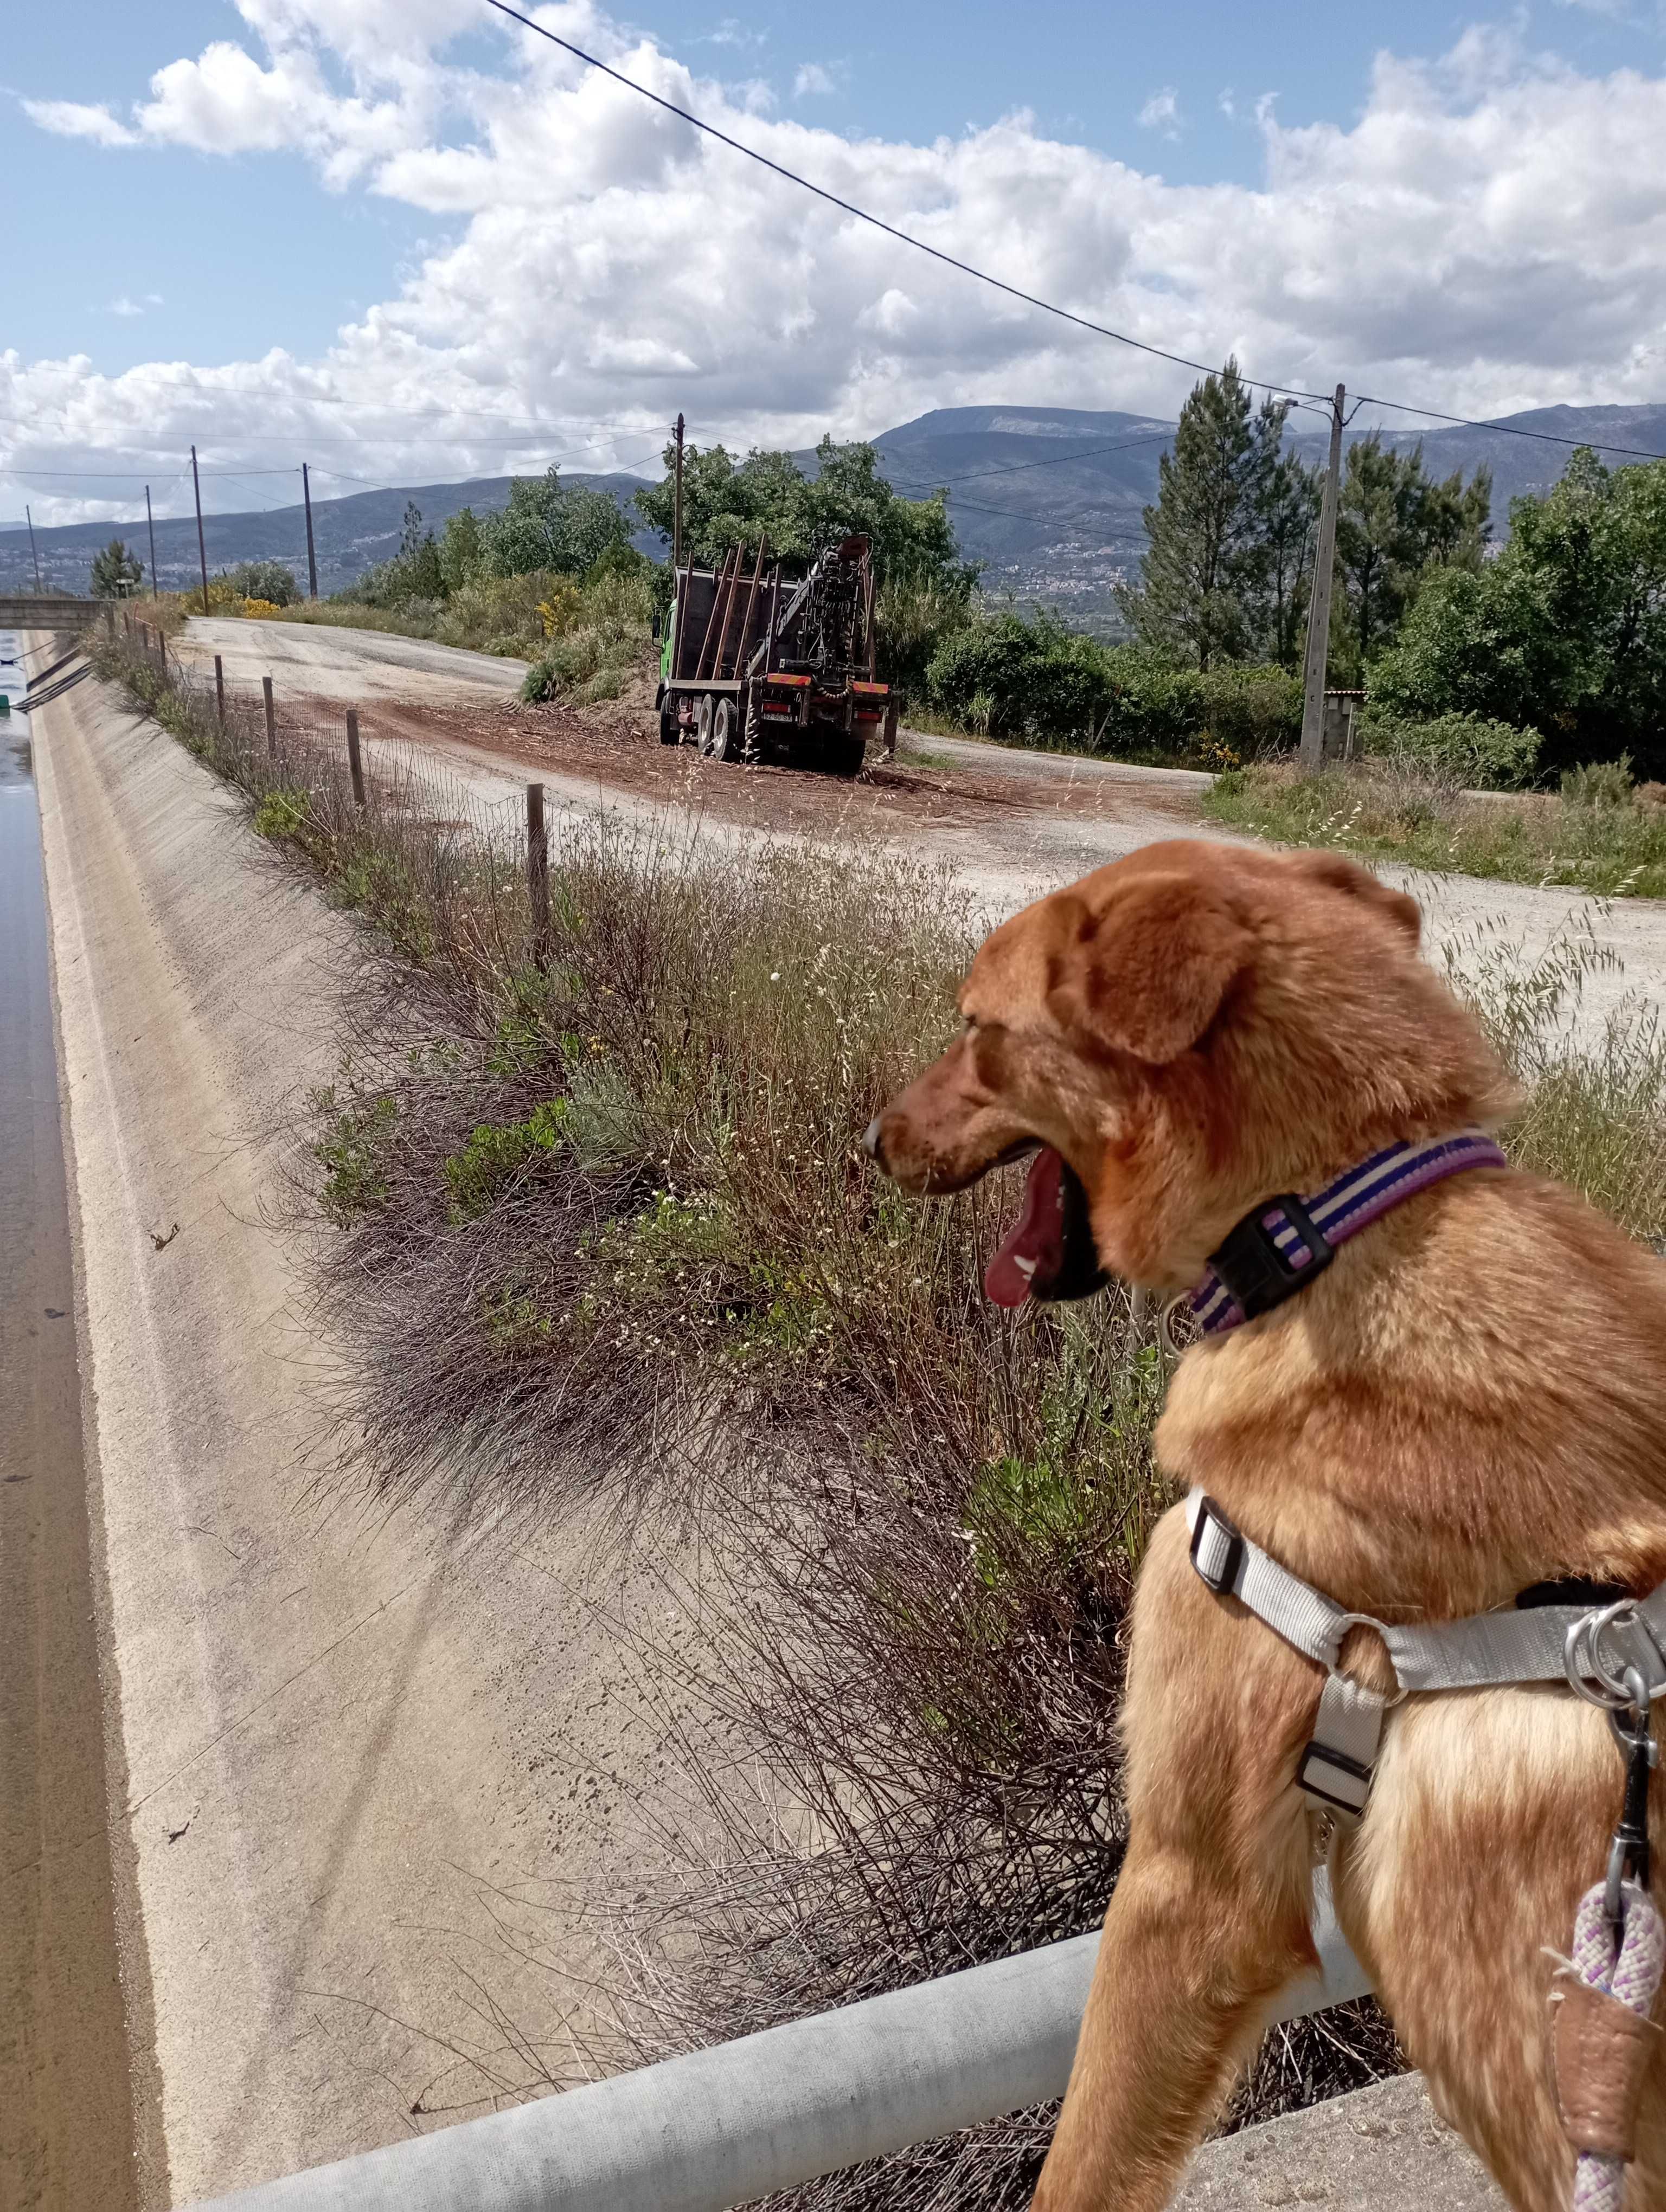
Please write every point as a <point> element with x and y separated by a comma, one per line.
<point>1599,783</point>
<point>493,1156</point>
<point>913,619</point>
<point>1249,711</point>
<point>498,608</point>
<point>1472,751</point>
<point>268,582</point>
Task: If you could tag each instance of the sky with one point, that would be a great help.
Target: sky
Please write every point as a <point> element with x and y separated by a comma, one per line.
<point>407,240</point>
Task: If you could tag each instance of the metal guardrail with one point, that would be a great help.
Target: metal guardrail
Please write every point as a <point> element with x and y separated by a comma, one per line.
<point>721,2127</point>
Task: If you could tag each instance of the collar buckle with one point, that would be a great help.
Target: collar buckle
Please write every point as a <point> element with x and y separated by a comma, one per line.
<point>1259,1270</point>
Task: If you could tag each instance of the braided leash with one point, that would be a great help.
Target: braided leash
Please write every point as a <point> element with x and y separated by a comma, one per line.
<point>1625,1967</point>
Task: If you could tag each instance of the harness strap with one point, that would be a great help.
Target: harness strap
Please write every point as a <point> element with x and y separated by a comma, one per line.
<point>1541,1644</point>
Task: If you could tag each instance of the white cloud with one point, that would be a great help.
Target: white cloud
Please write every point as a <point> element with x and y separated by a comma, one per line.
<point>71,119</point>
<point>124,306</point>
<point>1488,232</point>
<point>813,79</point>
<point>1162,112</point>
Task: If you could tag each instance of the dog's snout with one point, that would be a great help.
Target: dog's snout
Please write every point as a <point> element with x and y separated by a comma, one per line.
<point>873,1142</point>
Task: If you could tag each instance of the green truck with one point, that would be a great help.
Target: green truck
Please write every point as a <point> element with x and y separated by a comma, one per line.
<point>752,665</point>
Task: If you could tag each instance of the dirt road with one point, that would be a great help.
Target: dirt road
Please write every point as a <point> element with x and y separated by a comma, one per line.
<point>1010,824</point>
<point>328,1732</point>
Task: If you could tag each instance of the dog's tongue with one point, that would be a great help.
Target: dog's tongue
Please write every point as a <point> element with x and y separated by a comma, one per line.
<point>1033,1250</point>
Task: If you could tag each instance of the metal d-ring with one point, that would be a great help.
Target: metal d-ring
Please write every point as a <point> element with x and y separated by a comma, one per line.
<point>1165,1335</point>
<point>1582,1664</point>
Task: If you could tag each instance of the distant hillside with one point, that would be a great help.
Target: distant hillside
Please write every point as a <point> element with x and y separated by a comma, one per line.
<point>1049,499</point>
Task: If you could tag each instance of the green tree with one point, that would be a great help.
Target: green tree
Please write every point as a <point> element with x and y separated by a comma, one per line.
<point>727,503</point>
<point>263,579</point>
<point>1564,632</point>
<point>1285,498</point>
<point>1205,566</point>
<point>550,524</point>
<point>116,572</point>
<point>460,549</point>
<point>1395,523</point>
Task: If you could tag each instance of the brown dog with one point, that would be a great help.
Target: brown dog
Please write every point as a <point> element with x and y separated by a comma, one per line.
<point>1472,1400</point>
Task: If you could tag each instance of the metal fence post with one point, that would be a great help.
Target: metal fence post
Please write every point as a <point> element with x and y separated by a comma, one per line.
<point>271,719</point>
<point>355,764</point>
<point>220,689</point>
<point>537,874</point>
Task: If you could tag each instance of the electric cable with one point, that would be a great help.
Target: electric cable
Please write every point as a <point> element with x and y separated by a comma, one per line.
<point>1013,291</point>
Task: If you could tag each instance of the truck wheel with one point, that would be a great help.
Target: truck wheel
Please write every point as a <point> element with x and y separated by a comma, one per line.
<point>670,735</point>
<point>703,722</point>
<point>723,745</point>
<point>845,755</point>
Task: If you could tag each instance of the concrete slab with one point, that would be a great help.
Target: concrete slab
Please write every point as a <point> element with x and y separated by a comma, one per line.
<point>1380,2150</point>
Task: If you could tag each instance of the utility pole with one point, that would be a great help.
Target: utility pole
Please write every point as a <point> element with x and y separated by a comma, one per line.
<point>312,557</point>
<point>1319,603</point>
<point>150,525</point>
<point>201,550</point>
<point>34,553</point>
<point>677,505</point>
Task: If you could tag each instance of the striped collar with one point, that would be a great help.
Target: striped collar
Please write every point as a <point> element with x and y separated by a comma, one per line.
<point>1281,1245</point>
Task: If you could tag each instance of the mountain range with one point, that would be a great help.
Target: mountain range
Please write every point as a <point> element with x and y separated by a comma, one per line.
<point>1049,499</point>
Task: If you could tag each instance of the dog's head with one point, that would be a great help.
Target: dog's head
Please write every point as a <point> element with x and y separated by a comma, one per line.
<point>1190,1030</point>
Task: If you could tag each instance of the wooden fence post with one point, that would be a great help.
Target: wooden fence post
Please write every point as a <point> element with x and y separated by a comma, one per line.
<point>537,874</point>
<point>220,689</point>
<point>271,719</point>
<point>891,730</point>
<point>353,761</point>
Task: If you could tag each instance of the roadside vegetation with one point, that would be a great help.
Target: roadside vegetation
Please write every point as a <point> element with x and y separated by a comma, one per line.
<point>1598,833</point>
<point>594,1226</point>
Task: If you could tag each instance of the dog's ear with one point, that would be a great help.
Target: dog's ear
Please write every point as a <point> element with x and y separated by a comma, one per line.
<point>1337,873</point>
<point>1145,971</point>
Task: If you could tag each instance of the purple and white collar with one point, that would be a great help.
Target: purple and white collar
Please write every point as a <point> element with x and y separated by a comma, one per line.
<point>1281,1245</point>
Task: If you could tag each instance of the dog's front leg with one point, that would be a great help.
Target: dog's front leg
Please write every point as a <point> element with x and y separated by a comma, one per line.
<point>1209,1919</point>
<point>1183,1981</point>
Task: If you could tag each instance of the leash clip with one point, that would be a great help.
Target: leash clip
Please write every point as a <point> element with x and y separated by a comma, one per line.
<point>1628,1853</point>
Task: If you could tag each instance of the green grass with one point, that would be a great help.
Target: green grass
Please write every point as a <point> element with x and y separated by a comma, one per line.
<point>1382,811</point>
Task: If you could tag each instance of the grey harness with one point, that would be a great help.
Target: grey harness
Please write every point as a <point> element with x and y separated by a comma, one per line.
<point>1602,1652</point>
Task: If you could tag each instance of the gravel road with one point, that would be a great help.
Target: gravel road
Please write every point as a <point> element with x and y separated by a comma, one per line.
<point>1065,817</point>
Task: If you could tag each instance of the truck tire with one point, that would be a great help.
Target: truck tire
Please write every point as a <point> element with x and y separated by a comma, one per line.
<point>844,754</point>
<point>670,735</point>
<point>724,741</point>
<point>703,722</point>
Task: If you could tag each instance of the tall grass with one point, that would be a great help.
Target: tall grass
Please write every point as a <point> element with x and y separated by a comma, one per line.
<point>1386,809</point>
<point>598,1228</point>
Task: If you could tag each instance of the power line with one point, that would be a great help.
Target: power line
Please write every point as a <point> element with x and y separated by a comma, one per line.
<point>850,207</point>
<point>1012,291</point>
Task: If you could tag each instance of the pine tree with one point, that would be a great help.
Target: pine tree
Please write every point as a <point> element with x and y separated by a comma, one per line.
<point>116,572</point>
<point>1206,561</point>
<point>1394,522</point>
<point>1286,515</point>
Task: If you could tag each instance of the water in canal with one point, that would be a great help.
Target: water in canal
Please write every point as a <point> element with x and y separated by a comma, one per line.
<point>66,2134</point>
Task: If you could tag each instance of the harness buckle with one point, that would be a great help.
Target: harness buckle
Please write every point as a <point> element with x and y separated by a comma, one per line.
<point>1262,1274</point>
<point>1338,1781</point>
<point>1217,1548</point>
